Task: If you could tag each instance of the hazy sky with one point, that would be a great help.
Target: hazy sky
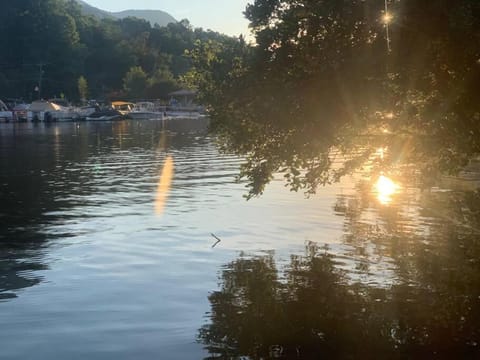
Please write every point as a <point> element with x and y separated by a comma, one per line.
<point>224,16</point>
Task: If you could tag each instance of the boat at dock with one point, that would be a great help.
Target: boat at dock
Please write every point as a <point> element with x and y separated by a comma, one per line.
<point>85,111</point>
<point>5,114</point>
<point>179,114</point>
<point>124,107</point>
<point>146,110</point>
<point>105,115</point>
<point>49,111</point>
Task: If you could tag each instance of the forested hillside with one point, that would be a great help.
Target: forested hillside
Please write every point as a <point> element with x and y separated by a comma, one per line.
<point>47,46</point>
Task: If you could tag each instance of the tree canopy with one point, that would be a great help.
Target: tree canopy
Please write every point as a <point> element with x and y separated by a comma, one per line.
<point>329,80</point>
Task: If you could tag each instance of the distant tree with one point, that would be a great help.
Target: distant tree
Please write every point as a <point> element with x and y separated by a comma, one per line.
<point>135,82</point>
<point>132,27</point>
<point>42,42</point>
<point>82,88</point>
<point>161,83</point>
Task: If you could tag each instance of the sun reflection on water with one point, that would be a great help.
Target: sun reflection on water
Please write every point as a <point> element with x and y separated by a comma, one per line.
<point>385,188</point>
<point>380,153</point>
<point>164,184</point>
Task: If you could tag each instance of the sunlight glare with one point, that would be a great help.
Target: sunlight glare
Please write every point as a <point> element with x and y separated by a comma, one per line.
<point>380,152</point>
<point>385,188</point>
<point>389,115</point>
<point>164,184</point>
<point>387,18</point>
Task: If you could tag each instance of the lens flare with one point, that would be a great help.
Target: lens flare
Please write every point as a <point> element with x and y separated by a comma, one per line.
<point>164,184</point>
<point>387,18</point>
<point>385,189</point>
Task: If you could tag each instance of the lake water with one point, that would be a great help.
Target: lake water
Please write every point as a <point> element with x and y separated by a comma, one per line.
<point>108,250</point>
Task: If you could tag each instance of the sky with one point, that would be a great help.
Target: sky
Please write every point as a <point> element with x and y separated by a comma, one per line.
<point>224,16</point>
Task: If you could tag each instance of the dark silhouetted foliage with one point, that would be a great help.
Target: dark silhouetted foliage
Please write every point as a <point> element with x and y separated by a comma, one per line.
<point>321,80</point>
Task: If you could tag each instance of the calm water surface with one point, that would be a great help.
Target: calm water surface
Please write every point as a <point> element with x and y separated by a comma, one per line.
<point>97,262</point>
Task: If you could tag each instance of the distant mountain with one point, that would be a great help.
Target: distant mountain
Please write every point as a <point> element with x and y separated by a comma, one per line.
<point>153,16</point>
<point>159,17</point>
<point>91,10</point>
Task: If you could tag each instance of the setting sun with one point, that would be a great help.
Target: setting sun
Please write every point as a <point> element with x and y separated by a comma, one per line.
<point>385,188</point>
<point>387,18</point>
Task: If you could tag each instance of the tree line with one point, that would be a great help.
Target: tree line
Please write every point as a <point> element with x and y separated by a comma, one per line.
<point>50,48</point>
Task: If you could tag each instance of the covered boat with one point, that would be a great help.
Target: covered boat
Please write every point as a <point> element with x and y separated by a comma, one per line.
<point>38,109</point>
<point>105,115</point>
<point>146,110</point>
<point>123,106</point>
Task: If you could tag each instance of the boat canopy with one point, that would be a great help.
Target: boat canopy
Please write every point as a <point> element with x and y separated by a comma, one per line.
<point>123,106</point>
<point>121,103</point>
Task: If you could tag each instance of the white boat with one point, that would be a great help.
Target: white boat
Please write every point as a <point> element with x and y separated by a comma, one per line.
<point>182,105</point>
<point>105,115</point>
<point>177,114</point>
<point>20,112</point>
<point>5,114</point>
<point>145,110</point>
<point>85,111</point>
<point>65,114</point>
<point>38,109</point>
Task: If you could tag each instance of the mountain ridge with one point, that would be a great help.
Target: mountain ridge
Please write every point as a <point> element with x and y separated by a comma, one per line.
<point>159,17</point>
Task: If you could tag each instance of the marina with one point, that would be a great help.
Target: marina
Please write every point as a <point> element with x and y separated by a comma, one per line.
<point>49,111</point>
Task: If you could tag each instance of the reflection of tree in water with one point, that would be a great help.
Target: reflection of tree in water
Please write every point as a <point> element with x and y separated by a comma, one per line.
<point>314,309</point>
<point>32,178</point>
<point>18,262</point>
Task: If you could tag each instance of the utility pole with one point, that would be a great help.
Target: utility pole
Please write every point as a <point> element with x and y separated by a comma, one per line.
<point>40,79</point>
<point>387,18</point>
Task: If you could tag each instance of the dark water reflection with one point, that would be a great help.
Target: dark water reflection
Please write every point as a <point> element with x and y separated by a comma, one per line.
<point>406,286</point>
<point>86,268</point>
<point>50,172</point>
<point>89,270</point>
